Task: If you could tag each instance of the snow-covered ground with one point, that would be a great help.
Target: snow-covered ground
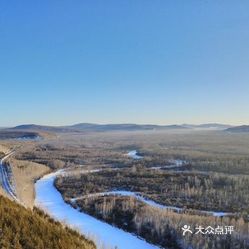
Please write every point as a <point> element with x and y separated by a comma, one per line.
<point>173,164</point>
<point>152,203</point>
<point>50,200</point>
<point>28,138</point>
<point>134,154</point>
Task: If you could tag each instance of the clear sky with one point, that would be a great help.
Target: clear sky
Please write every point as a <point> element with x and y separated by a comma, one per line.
<point>124,61</point>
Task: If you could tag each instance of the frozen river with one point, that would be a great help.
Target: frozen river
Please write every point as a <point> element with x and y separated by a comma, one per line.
<point>153,203</point>
<point>105,236</point>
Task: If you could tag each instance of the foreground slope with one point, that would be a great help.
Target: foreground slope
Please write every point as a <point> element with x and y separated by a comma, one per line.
<point>25,229</point>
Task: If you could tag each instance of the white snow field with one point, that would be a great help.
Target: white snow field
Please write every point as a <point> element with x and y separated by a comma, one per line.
<point>105,236</point>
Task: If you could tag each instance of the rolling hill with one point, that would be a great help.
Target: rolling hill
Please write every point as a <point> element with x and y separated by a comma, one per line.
<point>239,129</point>
<point>89,127</point>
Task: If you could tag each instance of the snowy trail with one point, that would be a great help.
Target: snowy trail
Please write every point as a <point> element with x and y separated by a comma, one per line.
<point>50,200</point>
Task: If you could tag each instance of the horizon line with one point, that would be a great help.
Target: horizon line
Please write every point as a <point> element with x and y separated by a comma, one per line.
<point>124,123</point>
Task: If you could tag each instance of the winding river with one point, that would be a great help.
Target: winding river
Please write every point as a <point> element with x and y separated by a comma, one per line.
<point>152,203</point>
<point>104,235</point>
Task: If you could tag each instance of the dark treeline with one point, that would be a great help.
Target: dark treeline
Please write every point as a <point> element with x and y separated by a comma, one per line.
<point>187,190</point>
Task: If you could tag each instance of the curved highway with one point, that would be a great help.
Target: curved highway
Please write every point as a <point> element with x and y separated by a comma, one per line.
<point>5,178</point>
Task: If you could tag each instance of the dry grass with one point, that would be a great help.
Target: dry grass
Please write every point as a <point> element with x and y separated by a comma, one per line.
<point>25,173</point>
<point>3,193</point>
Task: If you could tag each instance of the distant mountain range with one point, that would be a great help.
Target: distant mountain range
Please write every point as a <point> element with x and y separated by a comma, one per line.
<point>96,127</point>
<point>88,127</point>
<point>34,127</point>
<point>239,129</point>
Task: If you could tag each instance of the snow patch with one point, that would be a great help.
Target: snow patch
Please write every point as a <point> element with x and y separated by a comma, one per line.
<point>134,154</point>
<point>173,164</point>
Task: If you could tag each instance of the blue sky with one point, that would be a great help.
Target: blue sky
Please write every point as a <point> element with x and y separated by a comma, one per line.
<point>126,61</point>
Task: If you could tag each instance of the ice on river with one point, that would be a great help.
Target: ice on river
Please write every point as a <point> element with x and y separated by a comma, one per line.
<point>50,200</point>
<point>152,203</point>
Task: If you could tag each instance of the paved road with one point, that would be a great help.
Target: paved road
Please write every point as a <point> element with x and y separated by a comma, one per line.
<point>5,181</point>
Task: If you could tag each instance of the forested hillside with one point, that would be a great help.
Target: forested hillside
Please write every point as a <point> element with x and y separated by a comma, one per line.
<point>22,228</point>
